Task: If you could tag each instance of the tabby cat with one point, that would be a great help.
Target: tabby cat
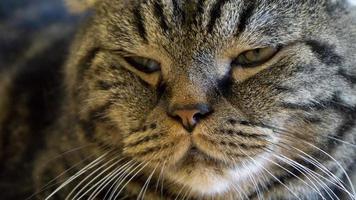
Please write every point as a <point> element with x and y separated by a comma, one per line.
<point>189,99</point>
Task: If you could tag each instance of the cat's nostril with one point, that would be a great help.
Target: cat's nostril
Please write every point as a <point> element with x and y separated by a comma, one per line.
<point>190,115</point>
<point>188,118</point>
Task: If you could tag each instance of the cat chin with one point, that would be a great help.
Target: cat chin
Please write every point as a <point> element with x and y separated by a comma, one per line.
<point>202,181</point>
<point>209,188</point>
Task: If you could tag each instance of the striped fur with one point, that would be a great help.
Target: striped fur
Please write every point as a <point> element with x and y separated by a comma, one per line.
<point>287,132</point>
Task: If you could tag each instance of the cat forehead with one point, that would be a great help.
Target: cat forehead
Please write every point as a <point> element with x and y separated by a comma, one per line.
<point>159,21</point>
<point>189,5</point>
<point>192,10</point>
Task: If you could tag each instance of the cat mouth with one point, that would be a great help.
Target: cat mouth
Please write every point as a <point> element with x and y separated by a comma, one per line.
<point>200,172</point>
<point>195,156</point>
<point>194,150</point>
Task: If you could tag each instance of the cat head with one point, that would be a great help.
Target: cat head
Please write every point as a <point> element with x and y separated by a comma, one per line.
<point>214,91</point>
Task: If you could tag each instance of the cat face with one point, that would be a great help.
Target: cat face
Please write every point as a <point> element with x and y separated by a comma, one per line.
<point>212,93</point>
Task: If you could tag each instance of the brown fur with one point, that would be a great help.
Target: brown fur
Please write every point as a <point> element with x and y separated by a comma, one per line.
<point>273,134</point>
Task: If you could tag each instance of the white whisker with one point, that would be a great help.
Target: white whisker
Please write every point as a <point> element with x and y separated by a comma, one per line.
<point>49,185</point>
<point>145,186</point>
<point>109,178</point>
<point>127,182</point>
<point>92,179</point>
<point>121,172</point>
<point>289,172</point>
<point>79,173</point>
<point>313,175</point>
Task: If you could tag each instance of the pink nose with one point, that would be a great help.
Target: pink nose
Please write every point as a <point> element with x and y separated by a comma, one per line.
<point>190,115</point>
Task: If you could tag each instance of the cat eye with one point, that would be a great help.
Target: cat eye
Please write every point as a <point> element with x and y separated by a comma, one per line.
<point>255,57</point>
<point>142,64</point>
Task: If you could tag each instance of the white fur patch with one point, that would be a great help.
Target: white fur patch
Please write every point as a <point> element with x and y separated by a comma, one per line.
<point>248,171</point>
<point>203,181</point>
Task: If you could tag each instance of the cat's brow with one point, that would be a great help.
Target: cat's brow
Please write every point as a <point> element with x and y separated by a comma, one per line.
<point>158,12</point>
<point>139,22</point>
<point>215,13</point>
<point>245,16</point>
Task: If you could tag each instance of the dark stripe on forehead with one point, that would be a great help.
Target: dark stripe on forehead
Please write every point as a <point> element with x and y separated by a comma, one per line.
<point>351,79</point>
<point>158,12</point>
<point>200,7</point>
<point>245,16</point>
<point>198,12</point>
<point>325,52</point>
<point>190,12</point>
<point>215,14</point>
<point>176,8</point>
<point>177,11</point>
<point>175,5</point>
<point>139,22</point>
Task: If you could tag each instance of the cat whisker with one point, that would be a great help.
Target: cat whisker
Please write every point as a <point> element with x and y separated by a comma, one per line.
<point>105,169</point>
<point>50,183</point>
<point>93,179</point>
<point>146,185</point>
<point>289,172</point>
<point>237,191</point>
<point>271,174</point>
<point>277,179</point>
<point>331,157</point>
<point>290,134</point>
<point>118,175</point>
<point>160,176</point>
<point>254,182</point>
<point>109,178</point>
<point>316,175</point>
<point>119,178</point>
<point>249,175</point>
<point>337,181</point>
<point>187,194</point>
<point>240,192</point>
<point>313,161</point>
<point>347,177</point>
<point>79,173</point>
<point>127,182</point>
<point>314,187</point>
<point>307,172</point>
<point>266,169</point>
<point>180,191</point>
<point>342,141</point>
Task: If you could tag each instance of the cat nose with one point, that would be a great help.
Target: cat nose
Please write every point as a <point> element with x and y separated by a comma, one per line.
<point>190,115</point>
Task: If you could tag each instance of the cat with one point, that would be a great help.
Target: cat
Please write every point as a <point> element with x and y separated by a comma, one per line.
<point>189,99</point>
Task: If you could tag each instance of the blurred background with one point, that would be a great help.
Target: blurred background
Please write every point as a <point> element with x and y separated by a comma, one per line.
<point>29,27</point>
<point>35,36</point>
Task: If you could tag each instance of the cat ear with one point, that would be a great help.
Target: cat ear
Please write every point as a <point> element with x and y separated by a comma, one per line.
<point>79,6</point>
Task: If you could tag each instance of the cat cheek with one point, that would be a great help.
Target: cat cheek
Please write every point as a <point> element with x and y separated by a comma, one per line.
<point>156,147</point>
